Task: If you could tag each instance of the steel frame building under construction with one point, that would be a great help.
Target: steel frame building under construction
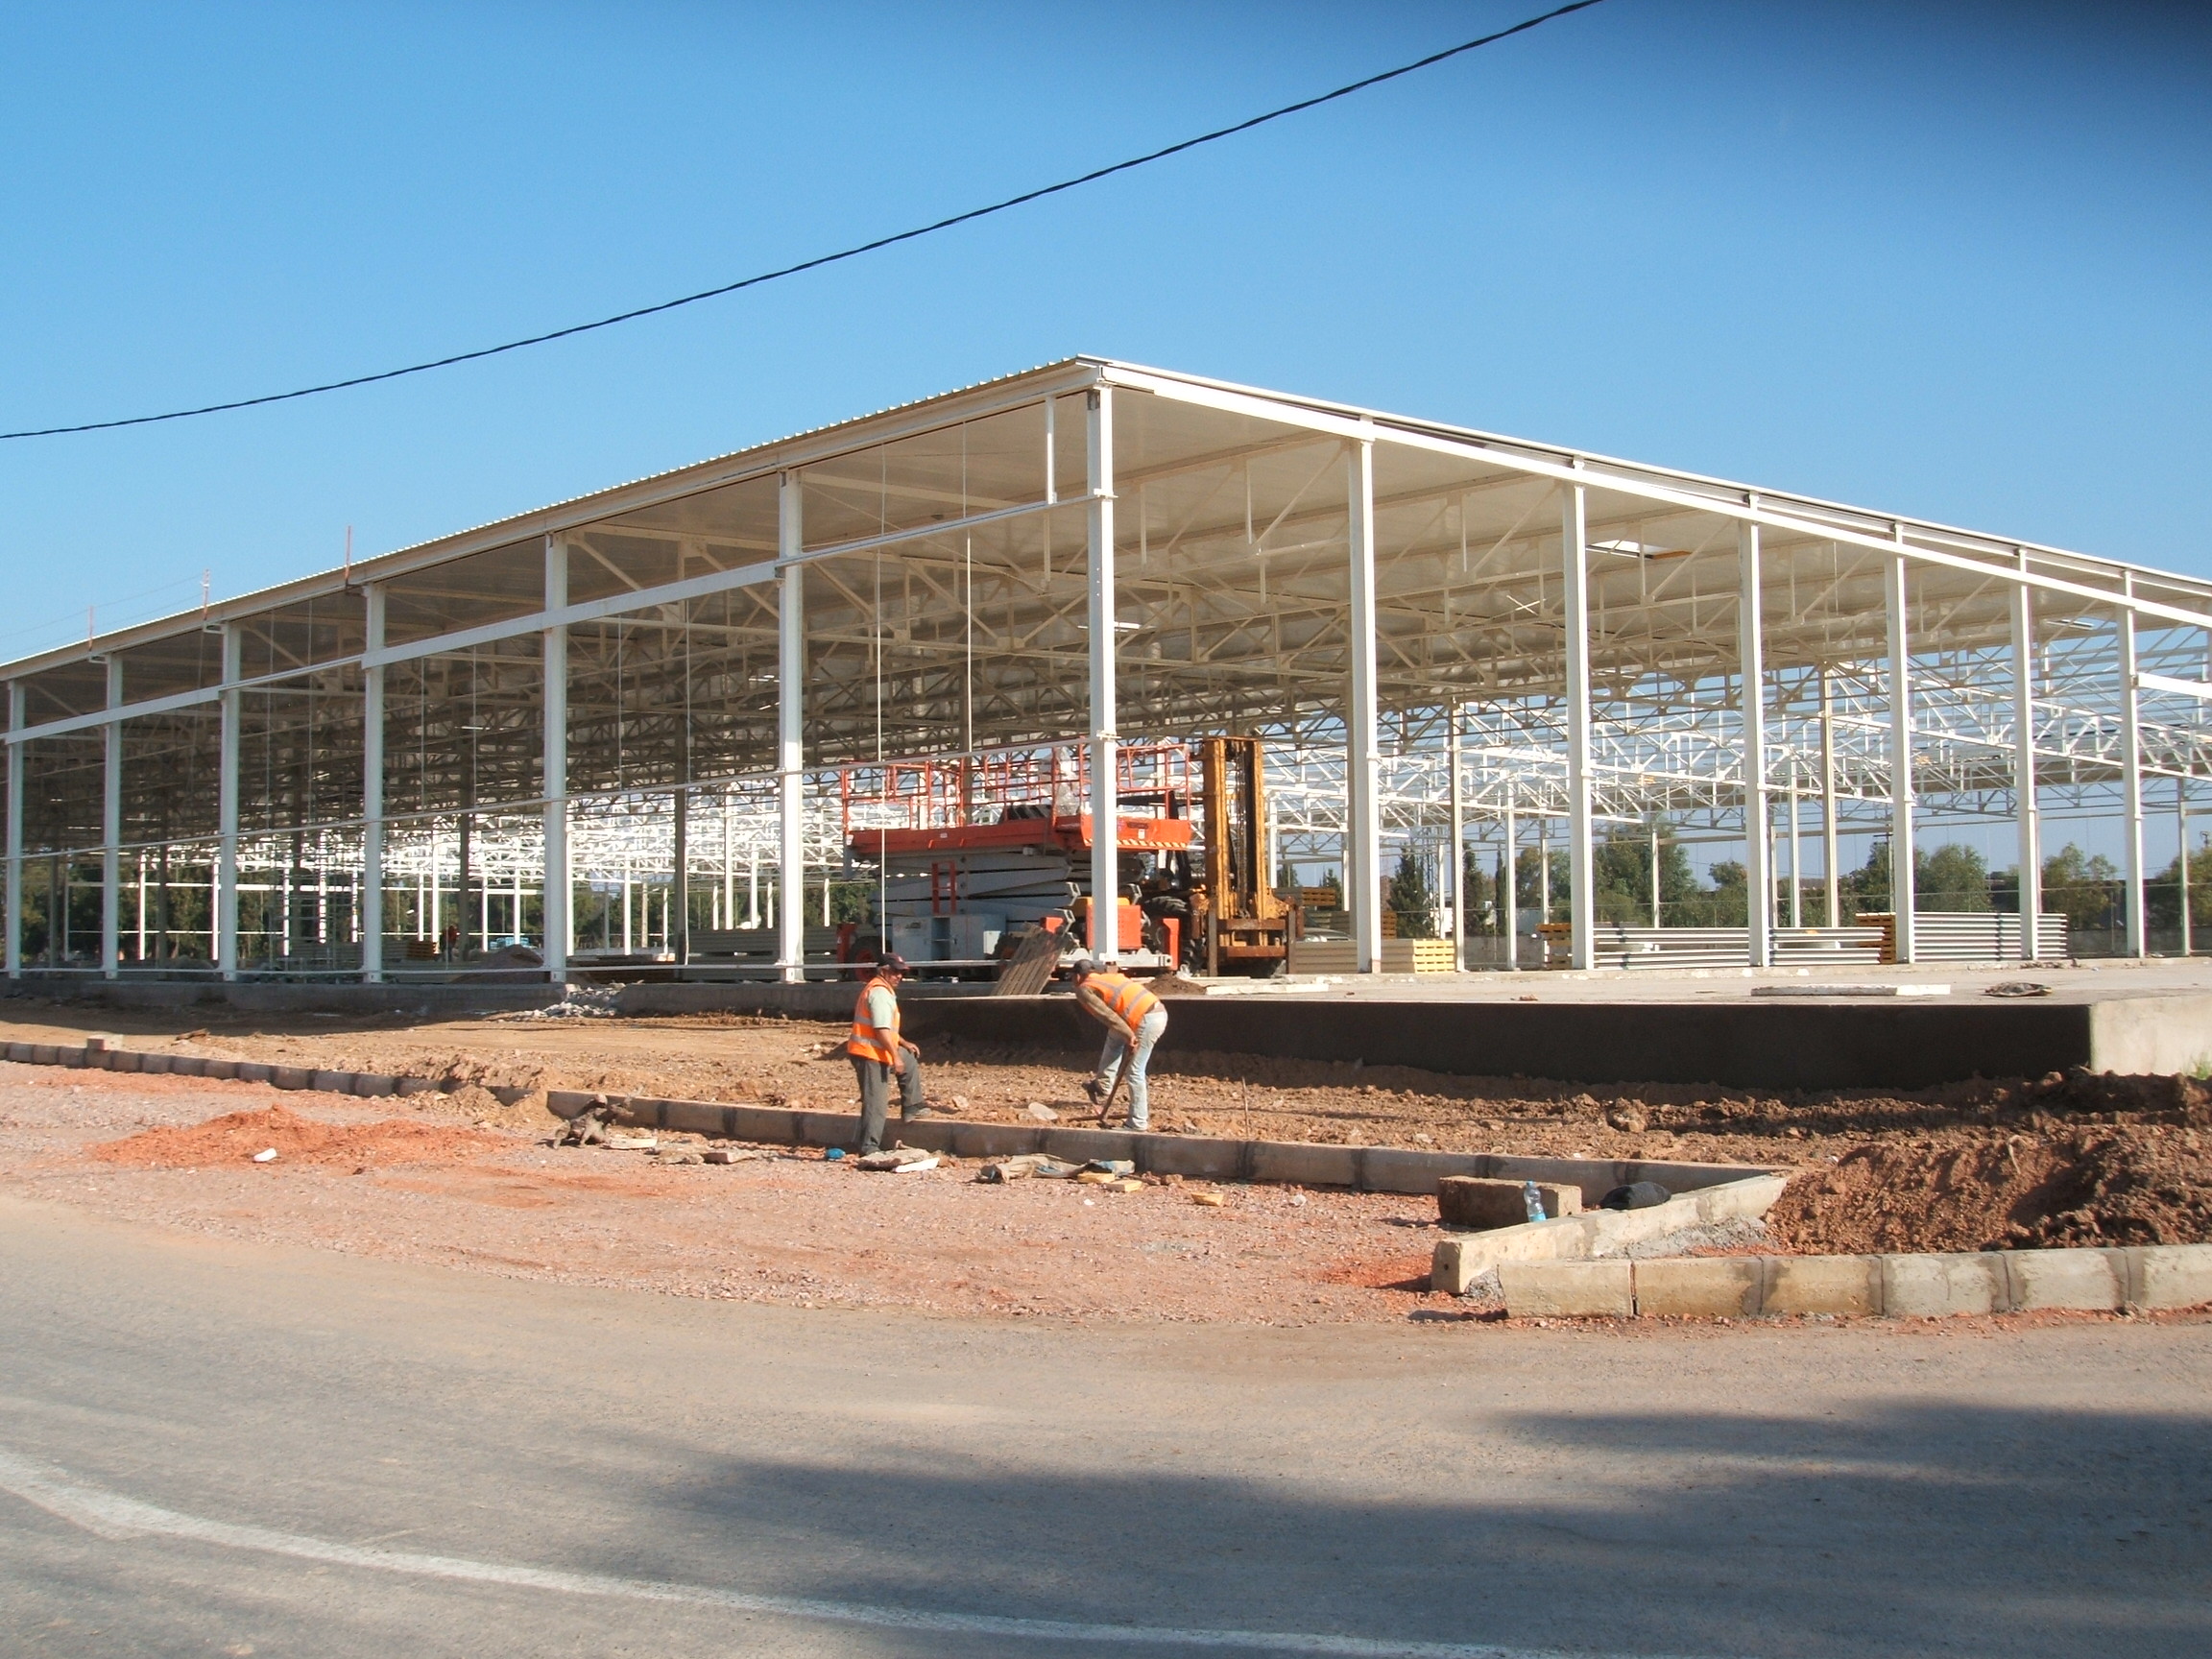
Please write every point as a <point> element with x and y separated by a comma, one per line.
<point>686,692</point>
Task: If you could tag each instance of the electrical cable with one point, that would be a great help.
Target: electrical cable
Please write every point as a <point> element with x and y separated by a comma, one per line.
<point>820,260</point>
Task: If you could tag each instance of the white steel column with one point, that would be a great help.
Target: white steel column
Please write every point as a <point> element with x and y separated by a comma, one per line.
<point>790,737</point>
<point>1512,884</point>
<point>226,810</point>
<point>370,917</point>
<point>1459,843</point>
<point>2131,787</point>
<point>1902,870</point>
<point>2182,868</point>
<point>1105,941</point>
<point>15,834</point>
<point>1362,765</point>
<point>2028,822</point>
<point>558,893</point>
<point>111,828</point>
<point>1831,878</point>
<point>1751,662</point>
<point>1581,871</point>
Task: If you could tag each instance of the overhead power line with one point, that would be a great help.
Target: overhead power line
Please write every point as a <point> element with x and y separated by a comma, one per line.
<point>816,263</point>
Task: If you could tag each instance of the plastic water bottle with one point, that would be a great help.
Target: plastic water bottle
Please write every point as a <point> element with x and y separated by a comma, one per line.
<point>1533,1200</point>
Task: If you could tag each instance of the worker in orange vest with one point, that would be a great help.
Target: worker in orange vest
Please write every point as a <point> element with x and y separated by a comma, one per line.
<point>879,1053</point>
<point>1134,1019</point>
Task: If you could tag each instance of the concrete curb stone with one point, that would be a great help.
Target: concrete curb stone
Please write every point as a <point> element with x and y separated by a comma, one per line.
<point>1569,1289</point>
<point>1901,1285</point>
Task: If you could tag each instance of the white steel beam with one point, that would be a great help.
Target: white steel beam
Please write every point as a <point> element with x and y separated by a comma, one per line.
<point>557,893</point>
<point>790,739</point>
<point>1581,871</point>
<point>1512,884</point>
<point>1105,940</point>
<point>1751,668</point>
<point>2027,821</point>
<point>2139,932</point>
<point>226,921</point>
<point>1831,877</point>
<point>373,794</point>
<point>1364,824</point>
<point>1458,841</point>
<point>18,757</point>
<point>1897,593</point>
<point>111,830</point>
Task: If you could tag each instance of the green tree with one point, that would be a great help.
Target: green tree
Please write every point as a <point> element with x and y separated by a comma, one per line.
<point>2083,888</point>
<point>1953,879</point>
<point>1411,898</point>
<point>1480,887</point>
<point>2163,899</point>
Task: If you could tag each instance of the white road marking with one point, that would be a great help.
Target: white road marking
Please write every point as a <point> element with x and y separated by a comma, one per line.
<point>113,1516</point>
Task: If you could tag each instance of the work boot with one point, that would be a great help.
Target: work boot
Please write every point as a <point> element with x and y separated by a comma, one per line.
<point>1093,1092</point>
<point>918,1114</point>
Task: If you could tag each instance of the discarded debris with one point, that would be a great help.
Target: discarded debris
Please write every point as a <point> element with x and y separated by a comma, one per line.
<point>731,1155</point>
<point>1025,1165</point>
<point>589,1127</point>
<point>679,1155</point>
<point>915,1167</point>
<point>631,1143</point>
<point>267,1155</point>
<point>581,1003</point>
<point>1211,1200</point>
<point>1041,1112</point>
<point>1113,1165</point>
<point>1636,1195</point>
<point>898,1158</point>
<point>2016,988</point>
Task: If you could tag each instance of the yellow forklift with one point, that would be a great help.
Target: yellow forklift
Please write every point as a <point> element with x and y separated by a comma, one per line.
<point>1239,923</point>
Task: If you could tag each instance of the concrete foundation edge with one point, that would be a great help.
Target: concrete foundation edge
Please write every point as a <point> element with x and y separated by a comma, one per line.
<point>1903,1285</point>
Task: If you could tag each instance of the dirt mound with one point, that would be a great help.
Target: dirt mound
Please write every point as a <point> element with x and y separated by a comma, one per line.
<point>2086,1185</point>
<point>236,1136</point>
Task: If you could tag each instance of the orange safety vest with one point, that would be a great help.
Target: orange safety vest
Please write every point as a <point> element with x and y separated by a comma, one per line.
<point>864,1044</point>
<point>1125,996</point>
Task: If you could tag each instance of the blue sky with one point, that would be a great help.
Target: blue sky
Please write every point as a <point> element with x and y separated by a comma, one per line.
<point>1951,261</point>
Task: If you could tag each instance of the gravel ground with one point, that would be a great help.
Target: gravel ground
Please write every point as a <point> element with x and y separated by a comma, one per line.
<point>791,1229</point>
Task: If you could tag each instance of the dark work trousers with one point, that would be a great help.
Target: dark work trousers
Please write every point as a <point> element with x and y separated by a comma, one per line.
<point>876,1095</point>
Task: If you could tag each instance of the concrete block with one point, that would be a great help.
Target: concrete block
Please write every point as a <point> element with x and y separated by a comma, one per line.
<point>995,1140</point>
<point>2089,1279</point>
<point>1452,1267</point>
<point>1482,1202</point>
<point>155,1065</point>
<point>931,1133</point>
<point>2171,1275</point>
<point>1207,1158</point>
<point>1743,1200</point>
<point>1394,1169</point>
<point>70,1056</point>
<point>764,1125</point>
<point>223,1070</point>
<point>429,1086</point>
<point>44,1054</point>
<point>331,1082</point>
<point>187,1066</point>
<point>1081,1145</point>
<point>1570,1289</point>
<point>1713,1286</point>
<point>118,1059</point>
<point>829,1129</point>
<point>257,1071</point>
<point>1297,1164</point>
<point>292,1076</point>
<point>691,1116</point>
<point>374,1084</point>
<point>1936,1286</point>
<point>1821,1285</point>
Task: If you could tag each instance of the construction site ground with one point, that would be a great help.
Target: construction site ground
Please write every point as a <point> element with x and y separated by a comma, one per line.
<point>459,1177</point>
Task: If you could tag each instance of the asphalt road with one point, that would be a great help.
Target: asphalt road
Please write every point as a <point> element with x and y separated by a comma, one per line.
<point>209,1448</point>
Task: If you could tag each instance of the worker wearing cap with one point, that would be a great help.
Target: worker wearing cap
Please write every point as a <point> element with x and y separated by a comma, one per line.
<point>879,1053</point>
<point>1134,1019</point>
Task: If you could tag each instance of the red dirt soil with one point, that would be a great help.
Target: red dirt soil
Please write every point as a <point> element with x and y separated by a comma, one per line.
<point>236,1137</point>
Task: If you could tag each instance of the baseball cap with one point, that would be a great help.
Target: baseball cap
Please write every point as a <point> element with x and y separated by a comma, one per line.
<point>890,962</point>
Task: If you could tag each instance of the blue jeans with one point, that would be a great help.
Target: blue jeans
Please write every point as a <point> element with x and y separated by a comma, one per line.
<point>1147,1034</point>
